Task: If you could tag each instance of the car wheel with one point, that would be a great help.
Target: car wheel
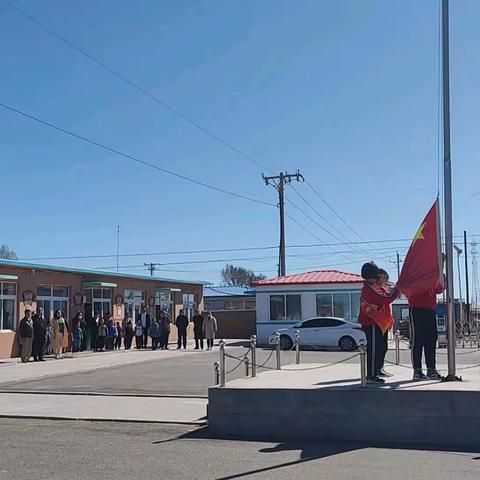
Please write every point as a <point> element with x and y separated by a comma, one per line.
<point>347,344</point>
<point>286,343</point>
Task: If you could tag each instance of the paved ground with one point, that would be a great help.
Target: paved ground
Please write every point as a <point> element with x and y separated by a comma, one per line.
<point>168,373</point>
<point>52,450</point>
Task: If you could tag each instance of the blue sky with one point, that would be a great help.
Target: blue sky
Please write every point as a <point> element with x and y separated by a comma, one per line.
<point>347,91</point>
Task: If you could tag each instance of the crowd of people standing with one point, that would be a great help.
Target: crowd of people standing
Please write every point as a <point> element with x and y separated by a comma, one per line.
<point>39,336</point>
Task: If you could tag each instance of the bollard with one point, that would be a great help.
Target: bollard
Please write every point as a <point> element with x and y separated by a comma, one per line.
<point>247,362</point>
<point>297,347</point>
<point>253,345</point>
<point>362,346</point>
<point>397,348</point>
<point>216,372</point>
<point>277,349</point>
<point>222,363</point>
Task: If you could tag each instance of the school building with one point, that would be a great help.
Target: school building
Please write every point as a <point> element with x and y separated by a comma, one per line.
<point>28,286</point>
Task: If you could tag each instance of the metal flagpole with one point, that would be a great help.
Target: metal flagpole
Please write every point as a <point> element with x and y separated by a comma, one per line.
<point>447,179</point>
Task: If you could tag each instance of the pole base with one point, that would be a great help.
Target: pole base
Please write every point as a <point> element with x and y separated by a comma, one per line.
<point>452,378</point>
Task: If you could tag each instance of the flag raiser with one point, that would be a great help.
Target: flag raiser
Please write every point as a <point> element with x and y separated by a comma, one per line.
<point>422,268</point>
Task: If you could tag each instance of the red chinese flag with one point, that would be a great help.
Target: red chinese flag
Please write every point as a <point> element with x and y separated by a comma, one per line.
<point>422,269</point>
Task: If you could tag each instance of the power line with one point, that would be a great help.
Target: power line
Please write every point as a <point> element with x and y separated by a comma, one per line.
<point>226,250</point>
<point>135,85</point>
<point>334,212</point>
<point>161,102</point>
<point>131,157</point>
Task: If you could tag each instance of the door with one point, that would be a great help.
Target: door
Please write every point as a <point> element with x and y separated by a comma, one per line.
<point>310,333</point>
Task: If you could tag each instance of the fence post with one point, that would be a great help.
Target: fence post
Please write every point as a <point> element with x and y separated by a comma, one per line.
<point>297,347</point>
<point>277,349</point>
<point>253,345</point>
<point>362,346</point>
<point>216,372</point>
<point>397,348</point>
<point>247,361</point>
<point>222,363</point>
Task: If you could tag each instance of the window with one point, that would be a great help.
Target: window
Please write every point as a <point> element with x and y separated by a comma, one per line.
<point>163,301</point>
<point>98,301</point>
<point>277,307</point>
<point>321,323</point>
<point>8,302</point>
<point>324,304</point>
<point>341,305</point>
<point>355,306</point>
<point>285,307</point>
<point>250,304</point>
<point>188,304</point>
<point>51,299</point>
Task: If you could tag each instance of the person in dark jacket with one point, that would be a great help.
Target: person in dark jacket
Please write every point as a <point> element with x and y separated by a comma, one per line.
<point>154,333</point>
<point>128,334</point>
<point>77,332</point>
<point>118,338</point>
<point>182,324</point>
<point>26,336</point>
<point>144,318</point>
<point>198,329</point>
<point>39,335</point>
<point>94,323</point>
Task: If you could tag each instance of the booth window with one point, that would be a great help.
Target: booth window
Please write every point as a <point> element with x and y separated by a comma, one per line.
<point>285,307</point>
<point>8,301</point>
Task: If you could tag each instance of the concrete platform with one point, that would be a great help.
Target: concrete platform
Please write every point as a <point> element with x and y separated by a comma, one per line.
<point>306,401</point>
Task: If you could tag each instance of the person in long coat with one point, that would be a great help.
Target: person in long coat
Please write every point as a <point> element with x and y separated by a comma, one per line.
<point>209,329</point>
<point>59,332</point>
<point>39,335</point>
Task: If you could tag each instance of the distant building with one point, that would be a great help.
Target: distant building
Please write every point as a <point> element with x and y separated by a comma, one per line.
<point>285,301</point>
<point>229,298</point>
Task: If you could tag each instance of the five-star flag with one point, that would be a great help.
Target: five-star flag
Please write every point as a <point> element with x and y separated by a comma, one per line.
<point>422,269</point>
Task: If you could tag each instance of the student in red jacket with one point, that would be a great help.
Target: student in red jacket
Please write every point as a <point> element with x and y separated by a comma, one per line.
<point>373,300</point>
<point>423,322</point>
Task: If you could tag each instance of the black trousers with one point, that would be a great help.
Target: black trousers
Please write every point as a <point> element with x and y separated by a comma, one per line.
<point>128,343</point>
<point>145,337</point>
<point>155,342</point>
<point>37,348</point>
<point>375,349</point>
<point>118,342</point>
<point>209,342</point>
<point>182,337</point>
<point>424,336</point>
<point>100,343</point>
<point>198,339</point>
<point>164,339</point>
<point>139,341</point>
<point>385,348</point>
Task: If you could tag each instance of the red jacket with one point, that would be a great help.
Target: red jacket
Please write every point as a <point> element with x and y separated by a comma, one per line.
<point>426,299</point>
<point>373,293</point>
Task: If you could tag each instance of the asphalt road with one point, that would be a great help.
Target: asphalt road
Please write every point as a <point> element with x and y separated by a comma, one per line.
<point>191,374</point>
<point>54,450</point>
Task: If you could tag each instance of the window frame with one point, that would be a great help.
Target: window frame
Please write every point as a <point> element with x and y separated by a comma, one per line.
<point>285,315</point>
<point>351,295</point>
<point>11,298</point>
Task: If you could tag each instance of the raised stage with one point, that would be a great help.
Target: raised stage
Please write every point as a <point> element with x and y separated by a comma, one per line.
<point>328,403</point>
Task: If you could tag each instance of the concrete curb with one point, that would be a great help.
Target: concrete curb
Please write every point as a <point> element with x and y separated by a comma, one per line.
<point>103,394</point>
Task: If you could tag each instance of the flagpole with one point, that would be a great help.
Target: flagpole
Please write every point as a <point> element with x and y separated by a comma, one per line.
<point>447,179</point>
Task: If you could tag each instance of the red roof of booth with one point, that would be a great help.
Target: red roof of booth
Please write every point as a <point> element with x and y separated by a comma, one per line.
<point>318,276</point>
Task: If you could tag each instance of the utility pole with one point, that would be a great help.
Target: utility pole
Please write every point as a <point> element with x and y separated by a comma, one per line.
<point>462,322</point>
<point>397,263</point>
<point>278,182</point>
<point>152,267</point>
<point>467,287</point>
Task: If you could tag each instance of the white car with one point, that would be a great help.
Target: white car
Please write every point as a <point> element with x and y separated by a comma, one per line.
<point>322,332</point>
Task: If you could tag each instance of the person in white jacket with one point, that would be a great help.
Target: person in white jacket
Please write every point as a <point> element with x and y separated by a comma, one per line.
<point>209,329</point>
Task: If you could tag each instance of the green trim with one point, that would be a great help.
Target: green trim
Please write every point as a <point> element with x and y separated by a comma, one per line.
<point>166,289</point>
<point>95,283</point>
<point>8,277</point>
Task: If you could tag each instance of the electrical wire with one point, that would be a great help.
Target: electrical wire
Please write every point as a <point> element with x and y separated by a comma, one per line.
<point>131,157</point>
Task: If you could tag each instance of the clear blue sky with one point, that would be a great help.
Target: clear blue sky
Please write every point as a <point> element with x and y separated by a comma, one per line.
<point>346,91</point>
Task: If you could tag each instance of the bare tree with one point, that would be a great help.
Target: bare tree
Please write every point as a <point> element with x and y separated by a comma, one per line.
<point>7,253</point>
<point>233,276</point>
